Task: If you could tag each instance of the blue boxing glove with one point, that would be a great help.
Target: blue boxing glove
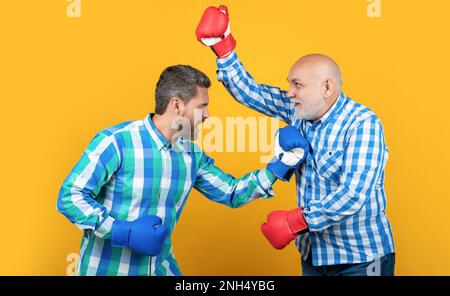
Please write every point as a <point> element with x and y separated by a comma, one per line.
<point>145,235</point>
<point>291,149</point>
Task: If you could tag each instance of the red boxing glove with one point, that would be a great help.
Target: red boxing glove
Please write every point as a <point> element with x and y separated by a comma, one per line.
<point>213,30</point>
<point>283,226</point>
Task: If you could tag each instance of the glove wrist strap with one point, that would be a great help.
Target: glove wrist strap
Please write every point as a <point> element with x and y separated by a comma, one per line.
<point>225,46</point>
<point>297,221</point>
<point>120,234</point>
<point>280,169</point>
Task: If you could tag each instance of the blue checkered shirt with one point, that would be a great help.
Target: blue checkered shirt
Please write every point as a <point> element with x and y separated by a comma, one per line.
<point>341,184</point>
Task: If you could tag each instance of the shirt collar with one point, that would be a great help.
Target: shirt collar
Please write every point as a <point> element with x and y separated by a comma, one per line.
<point>160,140</point>
<point>334,109</point>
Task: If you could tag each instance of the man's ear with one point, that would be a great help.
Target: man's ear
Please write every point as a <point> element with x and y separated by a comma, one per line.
<point>177,105</point>
<point>328,88</point>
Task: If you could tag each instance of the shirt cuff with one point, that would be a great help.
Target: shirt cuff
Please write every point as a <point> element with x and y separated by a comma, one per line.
<point>229,67</point>
<point>314,217</point>
<point>227,61</point>
<point>265,181</point>
<point>105,227</point>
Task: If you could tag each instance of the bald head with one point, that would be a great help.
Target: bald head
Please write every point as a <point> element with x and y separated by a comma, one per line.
<point>316,83</point>
<point>321,66</point>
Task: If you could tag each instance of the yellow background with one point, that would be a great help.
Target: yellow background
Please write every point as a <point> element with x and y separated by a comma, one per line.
<point>63,79</point>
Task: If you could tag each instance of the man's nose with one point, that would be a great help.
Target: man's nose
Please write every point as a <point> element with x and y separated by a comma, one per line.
<point>290,93</point>
<point>205,115</point>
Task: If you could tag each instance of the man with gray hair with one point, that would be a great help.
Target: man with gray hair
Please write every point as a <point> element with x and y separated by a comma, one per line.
<point>130,186</point>
<point>340,226</point>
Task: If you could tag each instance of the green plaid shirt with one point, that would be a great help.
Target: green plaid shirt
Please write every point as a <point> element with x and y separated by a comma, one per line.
<point>130,170</point>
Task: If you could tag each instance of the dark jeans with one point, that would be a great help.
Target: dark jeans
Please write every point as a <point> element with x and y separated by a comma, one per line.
<point>383,266</point>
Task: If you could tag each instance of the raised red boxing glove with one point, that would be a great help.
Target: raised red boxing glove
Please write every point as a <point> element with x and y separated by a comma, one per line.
<point>282,227</point>
<point>213,30</point>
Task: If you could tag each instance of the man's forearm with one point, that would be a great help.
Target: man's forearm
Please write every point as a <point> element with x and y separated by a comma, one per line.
<point>265,99</point>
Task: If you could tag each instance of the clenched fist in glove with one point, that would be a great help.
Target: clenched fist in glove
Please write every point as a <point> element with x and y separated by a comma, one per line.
<point>291,149</point>
<point>213,30</point>
<point>145,235</point>
<point>282,227</point>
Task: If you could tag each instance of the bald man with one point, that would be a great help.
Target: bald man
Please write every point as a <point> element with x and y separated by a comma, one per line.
<point>340,225</point>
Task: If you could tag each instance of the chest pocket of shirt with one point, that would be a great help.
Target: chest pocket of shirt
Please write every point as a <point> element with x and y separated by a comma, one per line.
<point>329,164</point>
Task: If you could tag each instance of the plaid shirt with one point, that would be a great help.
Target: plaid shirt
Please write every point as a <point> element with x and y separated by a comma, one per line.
<point>341,184</point>
<point>129,171</point>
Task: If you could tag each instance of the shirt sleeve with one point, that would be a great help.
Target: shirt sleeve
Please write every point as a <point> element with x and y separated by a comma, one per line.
<point>223,188</point>
<point>364,159</point>
<point>265,99</point>
<point>77,196</point>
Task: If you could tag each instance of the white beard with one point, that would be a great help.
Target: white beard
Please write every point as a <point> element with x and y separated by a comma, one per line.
<point>308,112</point>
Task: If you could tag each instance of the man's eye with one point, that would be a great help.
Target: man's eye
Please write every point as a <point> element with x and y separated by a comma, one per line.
<point>298,85</point>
